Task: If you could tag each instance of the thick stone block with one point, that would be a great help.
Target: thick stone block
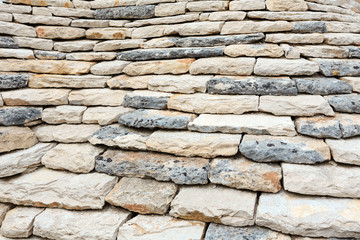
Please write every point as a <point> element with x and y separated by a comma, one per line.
<point>95,97</point>
<point>17,29</point>
<point>60,32</point>
<point>180,84</point>
<point>12,138</point>
<point>104,115</point>
<point>63,114</point>
<point>345,150</point>
<point>223,65</point>
<point>254,50</point>
<point>67,81</point>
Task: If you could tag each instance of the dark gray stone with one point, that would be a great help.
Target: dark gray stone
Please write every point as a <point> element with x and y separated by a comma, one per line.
<point>218,40</point>
<point>322,86</point>
<point>354,52</point>
<point>152,54</point>
<point>349,103</point>
<point>349,125</point>
<point>50,55</point>
<point>310,27</point>
<point>13,81</point>
<point>130,12</point>
<point>13,116</point>
<point>162,167</point>
<point>153,101</point>
<point>319,127</point>
<point>7,42</point>
<point>339,67</point>
<point>252,86</point>
<point>156,119</point>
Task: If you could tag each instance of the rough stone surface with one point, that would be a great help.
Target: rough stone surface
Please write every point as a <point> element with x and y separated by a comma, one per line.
<point>49,55</point>
<point>194,28</point>
<point>278,67</point>
<point>17,29</point>
<point>145,196</point>
<point>247,5</point>
<point>286,5</point>
<point>349,124</point>
<point>323,51</point>
<point>13,116</point>
<point>319,127</point>
<point>227,206</point>
<point>310,38</point>
<point>342,38</point>
<point>109,68</point>
<point>345,150</point>
<point>60,32</point>
<point>236,27</point>
<point>322,86</point>
<point>67,81</point>
<point>36,43</point>
<point>95,97</point>
<point>104,115</point>
<point>36,97</point>
<point>92,56</point>
<point>127,82</point>
<point>63,114</point>
<point>129,12</point>
<point>223,65</point>
<point>107,33</point>
<point>112,45</point>
<point>254,50</point>
<point>4,208</point>
<point>338,67</point>
<point>13,81</point>
<point>354,82</point>
<point>12,138</point>
<point>146,99</point>
<point>75,46</point>
<point>349,103</point>
<point>7,42</point>
<point>162,167</point>
<point>297,149</point>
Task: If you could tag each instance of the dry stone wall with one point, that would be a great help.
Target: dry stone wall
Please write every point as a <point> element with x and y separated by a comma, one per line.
<point>180,119</point>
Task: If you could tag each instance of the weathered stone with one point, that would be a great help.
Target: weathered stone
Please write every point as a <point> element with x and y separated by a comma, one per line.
<point>16,53</point>
<point>222,232</point>
<point>170,9</point>
<point>162,167</point>
<point>23,160</point>
<point>310,38</point>
<point>254,50</point>
<point>49,55</point>
<point>146,99</point>
<point>176,66</point>
<point>10,8</point>
<point>194,28</point>
<point>109,68</point>
<point>4,208</point>
<point>278,67</point>
<point>144,196</point>
<point>58,188</point>
<point>227,16</point>
<point>91,56</point>
<point>7,42</point>
<point>324,51</point>
<point>158,43</point>
<point>93,224</point>
<point>354,82</point>
<point>13,81</point>
<point>40,19</point>
<point>112,45</point>
<point>94,97</point>
<point>354,52</point>
<point>35,43</point>
<point>160,23</point>
<point>125,82</point>
<point>290,51</point>
<point>63,114</point>
<point>349,124</point>
<point>90,23</point>
<point>194,144</point>
<point>72,12</point>
<point>256,27</point>
<point>73,46</point>
<point>345,150</point>
<point>189,204</point>
<point>59,32</point>
<point>36,97</point>
<point>12,116</point>
<point>6,17</point>
<point>44,3</point>
<point>322,86</point>
<point>64,133</point>
<point>310,27</point>
<point>207,6</point>
<point>325,180</point>
<point>104,115</point>
<point>129,12</point>
<point>107,33</point>
<point>301,105</point>
<point>329,8</point>
<point>344,27</point>
<point>309,216</point>
<point>319,127</point>
<point>246,123</point>
<point>76,157</point>
<point>63,81</point>
<point>297,149</point>
<point>247,5</point>
<point>217,104</point>
<point>41,11</point>
<point>338,67</point>
<point>110,3</point>
<point>12,138</point>
<point>286,5</point>
<point>342,38</point>
<point>18,222</point>
<point>161,227</point>
<point>349,103</point>
<point>181,84</point>
<point>149,32</point>
<point>119,136</point>
<point>17,29</point>
<point>223,65</point>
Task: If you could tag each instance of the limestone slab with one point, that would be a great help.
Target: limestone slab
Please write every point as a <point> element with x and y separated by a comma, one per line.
<point>127,82</point>
<point>286,5</point>
<point>348,103</point>
<point>12,138</point>
<point>8,42</point>
<point>180,84</point>
<point>63,114</point>
<point>71,12</point>
<point>354,82</point>
<point>319,126</point>
<point>109,68</point>
<point>279,67</point>
<point>16,53</point>
<point>36,97</point>
<point>338,67</point>
<point>170,9</point>
<point>223,65</point>
<point>4,208</point>
<point>227,16</point>
<point>59,32</point>
<point>34,43</point>
<point>74,46</point>
<point>345,150</point>
<point>112,45</point>
<point>128,12</point>
<point>236,27</point>
<point>342,38</point>
<point>254,50</point>
<point>49,55</point>
<point>92,97</point>
<point>107,33</point>
<point>104,115</point>
<point>323,51</point>
<point>14,116</point>
<point>247,5</point>
<point>17,29</point>
<point>294,38</point>
<point>146,99</point>
<point>67,81</point>
<point>41,19</point>
<point>194,28</point>
<point>322,86</point>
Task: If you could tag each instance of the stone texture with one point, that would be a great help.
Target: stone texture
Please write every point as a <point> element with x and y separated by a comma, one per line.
<point>354,52</point>
<point>41,19</point>
<point>65,133</point>
<point>75,46</point>
<point>256,27</point>
<point>12,138</point>
<point>153,227</point>
<point>338,67</point>
<point>254,50</point>
<point>319,126</point>
<point>345,150</point>
<point>246,123</point>
<point>16,53</point>
<point>170,9</point>
<point>67,81</point>
<point>17,29</point>
<point>92,224</point>
<point>107,33</point>
<point>23,160</point>
<point>342,38</point>
<point>159,24</point>
<point>162,167</point>
<point>146,99</point>
<point>349,103</point>
<point>13,116</point>
<point>326,180</point>
<point>145,196</point>
<point>311,38</point>
<point>149,31</point>
<point>297,149</point>
<point>125,82</point>
<point>194,28</point>
<point>223,65</point>
<point>59,188</point>
<point>91,56</point>
<point>323,51</point>
<point>90,23</point>
<point>129,12</point>
<point>18,222</point>
<point>60,32</point>
<point>76,157</point>
<point>310,27</point>
<point>227,206</point>
<point>322,86</point>
<point>35,43</point>
<point>72,12</point>
<point>207,6</point>
<point>36,97</point>
<point>354,82</point>
<point>49,55</point>
<point>227,16</point>
<point>301,105</point>
<point>278,67</point>
<point>309,216</point>
<point>7,42</point>
<point>251,85</point>
<point>194,144</point>
<point>15,8</point>
<point>109,68</point>
<point>349,124</point>
<point>93,97</point>
<point>112,45</point>
<point>63,114</point>
<point>216,104</point>
<point>286,5</point>
<point>104,115</point>
<point>247,5</point>
<point>4,208</point>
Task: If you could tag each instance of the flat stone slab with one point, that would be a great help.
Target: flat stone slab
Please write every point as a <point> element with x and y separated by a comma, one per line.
<point>354,82</point>
<point>322,86</point>
<point>14,116</point>
<point>129,12</point>
<point>63,114</point>
<point>227,206</point>
<point>257,124</point>
<point>338,67</point>
<point>146,99</point>
<point>223,65</point>
<point>49,188</point>
<point>144,196</point>
<point>345,150</point>
<point>12,138</point>
<point>36,97</point>
<point>252,86</point>
<point>161,227</point>
<point>104,115</point>
<point>91,224</point>
<point>4,208</point>
<point>349,103</point>
<point>299,149</point>
<point>309,216</point>
<point>96,97</point>
<point>67,81</point>
<point>281,67</point>
<point>8,42</point>
<point>13,81</point>
<point>240,173</point>
<point>162,167</point>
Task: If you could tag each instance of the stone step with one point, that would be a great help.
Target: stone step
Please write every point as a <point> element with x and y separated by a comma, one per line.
<point>12,138</point>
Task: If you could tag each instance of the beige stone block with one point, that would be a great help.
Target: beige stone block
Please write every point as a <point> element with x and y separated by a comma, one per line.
<point>158,43</point>
<point>345,150</point>
<point>118,44</point>
<point>256,27</point>
<point>90,23</point>
<point>91,56</point>
<point>59,32</point>
<point>323,51</point>
<point>75,46</point>
<point>309,38</point>
<point>34,43</point>
<point>223,65</point>
<point>63,114</point>
<point>227,16</point>
<point>17,29</point>
<point>67,81</point>
<point>125,82</point>
<point>254,50</point>
<point>109,67</point>
<point>16,53</point>
<point>71,12</point>
<point>94,97</point>
<point>107,33</point>
<point>247,5</point>
<point>12,138</point>
<point>36,97</point>
<point>149,32</point>
<point>170,9</point>
<point>12,8</point>
<point>342,38</point>
<point>286,5</point>
<point>207,6</point>
<point>104,115</point>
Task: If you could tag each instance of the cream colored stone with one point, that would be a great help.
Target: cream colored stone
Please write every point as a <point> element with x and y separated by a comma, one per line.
<point>124,82</point>
<point>158,43</point>
<point>344,27</point>
<point>34,43</point>
<point>247,5</point>
<point>189,17</point>
<point>41,11</point>
<point>216,104</point>
<point>279,67</point>
<point>301,105</point>
<point>111,3</point>
<point>207,6</point>
<point>67,81</point>
<point>170,9</point>
<point>108,33</point>
<point>75,46</point>
<point>63,114</point>
<point>16,53</point>
<point>4,208</point>
<point>109,68</point>
<point>227,16</point>
<point>345,150</point>
<point>149,32</point>
<point>223,65</point>
<point>254,50</point>
<point>71,12</point>
<point>309,38</point>
<point>91,56</point>
<point>256,27</point>
<point>104,115</point>
<point>329,8</point>
<point>6,17</point>
<point>12,138</point>
<point>118,44</point>
<point>36,97</point>
<point>12,8</point>
<point>59,32</point>
<point>118,23</point>
<point>44,3</point>
<point>194,28</point>
<point>354,82</point>
<point>41,19</point>
<point>17,29</point>
<point>81,4</point>
<point>286,5</point>
<point>322,51</point>
<point>93,97</point>
<point>90,23</point>
<point>342,38</point>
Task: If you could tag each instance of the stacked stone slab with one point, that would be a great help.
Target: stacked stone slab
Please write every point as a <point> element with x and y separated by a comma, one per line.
<point>180,119</point>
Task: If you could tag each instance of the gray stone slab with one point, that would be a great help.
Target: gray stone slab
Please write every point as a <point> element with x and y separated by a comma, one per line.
<point>322,86</point>
<point>129,12</point>
<point>354,52</point>
<point>310,27</point>
<point>8,42</point>
<point>146,99</point>
<point>13,81</point>
<point>14,116</point>
<point>349,103</point>
<point>338,67</point>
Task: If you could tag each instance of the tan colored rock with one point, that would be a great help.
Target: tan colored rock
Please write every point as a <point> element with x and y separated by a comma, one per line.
<point>118,23</point>
<point>104,115</point>
<point>71,12</point>
<point>170,9</point>
<point>256,27</point>
<point>17,29</point>
<point>309,38</point>
<point>40,19</point>
<point>67,81</point>
<point>329,8</point>
<point>254,50</point>
<point>18,222</point>
<point>36,97</point>
<point>227,206</point>
<point>207,6</point>
<point>279,67</point>
<point>76,157</point>
<point>44,3</point>
<point>34,43</point>
<point>4,208</point>
<point>12,138</point>
<point>158,43</point>
<point>342,38</point>
<point>12,8</point>
<point>93,97</point>
<point>344,27</point>
<point>63,114</point>
<point>111,3</point>
<point>41,11</point>
<point>290,52</point>
<point>65,133</point>
<point>90,23</point>
<point>194,28</point>
<point>107,33</point>
<point>189,17</point>
<point>223,65</point>
<point>286,5</point>
<point>144,196</point>
<point>6,17</point>
<point>194,144</point>
<point>91,56</point>
<point>112,45</point>
<point>75,46</point>
<point>149,32</point>
<point>345,150</point>
<point>247,5</point>
<point>59,32</point>
<point>178,66</point>
<point>322,51</point>
<point>354,82</point>
<point>109,68</point>
<point>124,82</point>
<point>301,105</point>
<point>227,15</point>
<point>216,104</point>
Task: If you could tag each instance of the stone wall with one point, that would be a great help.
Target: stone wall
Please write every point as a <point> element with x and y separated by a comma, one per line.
<point>175,119</point>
